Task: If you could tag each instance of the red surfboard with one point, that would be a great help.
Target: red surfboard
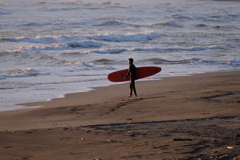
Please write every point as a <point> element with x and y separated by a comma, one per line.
<point>142,72</point>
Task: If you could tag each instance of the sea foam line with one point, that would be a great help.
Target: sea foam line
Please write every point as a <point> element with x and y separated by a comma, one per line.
<point>93,44</point>
<point>134,37</point>
<point>177,48</point>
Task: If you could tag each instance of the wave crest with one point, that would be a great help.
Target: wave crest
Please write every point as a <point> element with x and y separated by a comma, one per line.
<point>13,85</point>
<point>196,61</point>
<point>110,23</point>
<point>133,37</point>
<point>169,24</point>
<point>21,73</point>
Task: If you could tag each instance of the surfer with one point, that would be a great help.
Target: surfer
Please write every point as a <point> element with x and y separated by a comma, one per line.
<point>132,72</point>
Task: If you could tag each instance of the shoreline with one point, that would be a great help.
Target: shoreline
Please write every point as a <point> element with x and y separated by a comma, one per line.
<point>186,117</point>
<point>58,102</point>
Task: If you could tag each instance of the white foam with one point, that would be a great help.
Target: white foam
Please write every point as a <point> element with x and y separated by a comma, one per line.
<point>110,51</point>
<point>14,107</point>
<point>13,85</point>
<point>110,23</point>
<point>21,72</point>
<point>135,37</point>
<point>130,37</point>
<point>45,39</point>
<point>178,48</point>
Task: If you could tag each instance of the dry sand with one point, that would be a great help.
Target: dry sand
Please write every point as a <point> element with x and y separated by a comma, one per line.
<point>191,117</point>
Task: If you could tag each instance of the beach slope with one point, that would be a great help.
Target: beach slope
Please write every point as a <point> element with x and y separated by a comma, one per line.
<point>190,117</point>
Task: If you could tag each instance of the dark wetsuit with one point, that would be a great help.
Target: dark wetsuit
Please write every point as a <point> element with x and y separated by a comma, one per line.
<point>132,72</point>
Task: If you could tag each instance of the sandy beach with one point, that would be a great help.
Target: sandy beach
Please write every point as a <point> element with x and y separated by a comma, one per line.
<point>189,117</point>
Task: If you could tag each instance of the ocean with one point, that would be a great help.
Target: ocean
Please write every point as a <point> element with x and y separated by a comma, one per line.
<point>49,48</point>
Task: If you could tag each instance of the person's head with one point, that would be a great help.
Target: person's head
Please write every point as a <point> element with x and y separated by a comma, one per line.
<point>130,61</point>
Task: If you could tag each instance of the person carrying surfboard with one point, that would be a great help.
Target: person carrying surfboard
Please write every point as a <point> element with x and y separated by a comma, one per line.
<point>132,73</point>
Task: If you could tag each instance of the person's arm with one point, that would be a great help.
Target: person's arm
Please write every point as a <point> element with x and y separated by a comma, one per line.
<point>127,73</point>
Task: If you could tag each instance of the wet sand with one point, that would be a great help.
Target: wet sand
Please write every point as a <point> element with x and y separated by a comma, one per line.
<point>191,117</point>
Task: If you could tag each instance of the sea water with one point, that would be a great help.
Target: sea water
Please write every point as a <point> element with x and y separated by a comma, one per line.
<point>49,48</point>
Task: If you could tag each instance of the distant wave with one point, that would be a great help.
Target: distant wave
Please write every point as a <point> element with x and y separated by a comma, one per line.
<point>178,48</point>
<point>201,25</point>
<point>110,23</point>
<point>45,40</point>
<point>228,62</point>
<point>226,16</point>
<point>93,44</point>
<point>223,18</point>
<point>164,61</point>
<point>120,50</point>
<point>226,27</point>
<point>110,51</point>
<point>34,58</point>
<point>4,12</point>
<point>219,27</point>
<point>21,73</point>
<point>168,24</point>
<point>133,37</point>
<point>78,5</point>
<point>233,62</point>
<point>13,85</point>
<point>217,17</point>
<point>104,61</point>
<point>189,17</point>
<point>84,44</point>
<point>67,46</point>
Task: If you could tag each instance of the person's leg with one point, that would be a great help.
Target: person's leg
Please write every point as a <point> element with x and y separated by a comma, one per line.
<point>133,87</point>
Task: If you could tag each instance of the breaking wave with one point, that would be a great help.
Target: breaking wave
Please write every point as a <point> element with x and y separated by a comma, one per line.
<point>110,51</point>
<point>92,44</point>
<point>191,48</point>
<point>13,85</point>
<point>228,62</point>
<point>133,37</point>
<point>28,72</point>
<point>126,37</point>
<point>119,50</point>
<point>110,23</point>
<point>45,40</point>
<point>168,24</point>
